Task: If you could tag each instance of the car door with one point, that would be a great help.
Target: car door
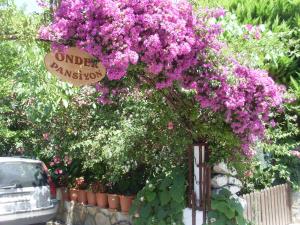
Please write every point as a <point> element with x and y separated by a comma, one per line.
<point>23,187</point>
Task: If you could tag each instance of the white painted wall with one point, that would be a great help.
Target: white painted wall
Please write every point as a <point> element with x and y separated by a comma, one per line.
<point>187,217</point>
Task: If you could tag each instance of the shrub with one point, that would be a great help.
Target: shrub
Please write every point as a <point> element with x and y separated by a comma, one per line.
<point>161,201</point>
<point>226,210</point>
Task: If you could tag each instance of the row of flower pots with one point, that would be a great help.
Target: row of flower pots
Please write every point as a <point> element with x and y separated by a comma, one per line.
<point>103,200</point>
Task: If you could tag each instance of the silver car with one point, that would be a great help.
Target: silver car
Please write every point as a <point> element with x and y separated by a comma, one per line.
<point>27,194</point>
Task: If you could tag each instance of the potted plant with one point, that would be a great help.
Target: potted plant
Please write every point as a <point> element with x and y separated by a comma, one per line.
<point>73,193</point>
<point>81,186</point>
<point>61,169</point>
<point>113,198</point>
<point>57,168</point>
<point>101,196</point>
<point>126,202</point>
<point>65,191</point>
<point>113,201</point>
<point>63,186</point>
<point>129,185</point>
<point>91,196</point>
<point>125,196</point>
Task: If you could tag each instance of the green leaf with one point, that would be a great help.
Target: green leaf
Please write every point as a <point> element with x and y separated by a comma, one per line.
<point>240,220</point>
<point>239,209</point>
<point>150,196</point>
<point>161,213</point>
<point>212,214</point>
<point>165,183</point>
<point>224,208</point>
<point>179,179</point>
<point>161,222</point>
<point>145,211</point>
<point>177,193</point>
<point>164,197</point>
<point>220,221</point>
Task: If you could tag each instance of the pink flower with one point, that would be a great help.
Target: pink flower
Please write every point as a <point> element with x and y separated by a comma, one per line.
<point>58,171</point>
<point>52,163</point>
<point>56,159</point>
<point>80,182</point>
<point>272,123</point>
<point>67,160</point>
<point>246,36</point>
<point>43,3</point>
<point>257,35</point>
<point>295,153</point>
<point>170,125</point>
<point>219,12</point>
<point>248,173</point>
<point>46,136</point>
<point>249,27</point>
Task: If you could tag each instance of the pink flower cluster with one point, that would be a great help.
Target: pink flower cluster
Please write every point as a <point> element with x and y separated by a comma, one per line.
<point>252,31</point>
<point>173,45</point>
<point>160,34</point>
<point>46,136</point>
<point>57,162</point>
<point>43,3</point>
<point>59,169</point>
<point>295,153</point>
<point>107,93</point>
<point>246,104</point>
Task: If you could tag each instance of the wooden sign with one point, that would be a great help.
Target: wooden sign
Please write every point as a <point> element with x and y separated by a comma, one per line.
<point>75,66</point>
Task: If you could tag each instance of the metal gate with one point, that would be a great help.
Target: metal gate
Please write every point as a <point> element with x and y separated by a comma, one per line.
<point>199,191</point>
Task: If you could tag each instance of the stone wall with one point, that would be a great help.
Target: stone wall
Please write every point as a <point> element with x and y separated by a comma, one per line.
<point>295,198</point>
<point>77,214</point>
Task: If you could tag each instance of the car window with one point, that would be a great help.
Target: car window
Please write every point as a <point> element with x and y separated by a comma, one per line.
<point>22,174</point>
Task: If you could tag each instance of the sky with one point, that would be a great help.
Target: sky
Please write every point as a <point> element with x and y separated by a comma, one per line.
<point>30,5</point>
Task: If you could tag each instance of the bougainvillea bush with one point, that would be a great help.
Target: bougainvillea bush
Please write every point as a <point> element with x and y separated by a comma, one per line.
<point>175,50</point>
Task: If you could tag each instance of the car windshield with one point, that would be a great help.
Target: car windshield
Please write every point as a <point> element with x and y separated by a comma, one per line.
<point>22,174</point>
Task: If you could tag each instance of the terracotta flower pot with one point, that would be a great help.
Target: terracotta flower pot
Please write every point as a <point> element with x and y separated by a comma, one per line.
<point>65,194</point>
<point>113,201</point>
<point>126,202</point>
<point>101,199</point>
<point>82,198</point>
<point>73,195</point>
<point>91,198</point>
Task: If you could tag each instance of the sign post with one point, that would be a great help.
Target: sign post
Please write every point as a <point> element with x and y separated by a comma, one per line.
<point>75,66</point>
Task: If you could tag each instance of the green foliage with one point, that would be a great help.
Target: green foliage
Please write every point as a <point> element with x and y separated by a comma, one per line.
<point>226,210</point>
<point>29,95</point>
<point>110,142</point>
<point>295,86</point>
<point>124,137</point>
<point>15,24</point>
<point>62,171</point>
<point>274,163</point>
<point>161,201</point>
<point>254,51</point>
<point>132,182</point>
<point>282,17</point>
<point>273,13</point>
<point>276,50</point>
